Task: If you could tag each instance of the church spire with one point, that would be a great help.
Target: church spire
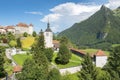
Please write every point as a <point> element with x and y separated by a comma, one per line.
<point>48,24</point>
<point>48,27</point>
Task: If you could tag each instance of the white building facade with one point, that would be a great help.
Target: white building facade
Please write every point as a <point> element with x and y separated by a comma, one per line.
<point>20,28</point>
<point>100,59</point>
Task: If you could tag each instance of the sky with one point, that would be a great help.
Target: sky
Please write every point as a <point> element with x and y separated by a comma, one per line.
<point>62,14</point>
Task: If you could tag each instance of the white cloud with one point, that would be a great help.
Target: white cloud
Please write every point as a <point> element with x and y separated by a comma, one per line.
<point>66,14</point>
<point>69,13</point>
<point>53,17</point>
<point>113,4</point>
<point>34,12</point>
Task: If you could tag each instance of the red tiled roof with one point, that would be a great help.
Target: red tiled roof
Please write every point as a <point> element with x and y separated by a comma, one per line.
<point>22,25</point>
<point>31,25</point>
<point>56,42</point>
<point>80,51</point>
<point>1,27</point>
<point>17,69</point>
<point>100,53</point>
<point>10,27</point>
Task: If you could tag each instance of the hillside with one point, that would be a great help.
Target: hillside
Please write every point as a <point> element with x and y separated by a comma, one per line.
<point>117,12</point>
<point>98,31</point>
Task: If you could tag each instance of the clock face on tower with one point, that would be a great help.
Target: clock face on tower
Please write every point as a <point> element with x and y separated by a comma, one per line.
<point>47,34</point>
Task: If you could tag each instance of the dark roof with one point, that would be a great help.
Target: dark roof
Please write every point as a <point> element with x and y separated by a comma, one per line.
<point>48,28</point>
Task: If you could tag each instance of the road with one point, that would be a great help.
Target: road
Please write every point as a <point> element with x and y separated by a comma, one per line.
<point>70,70</point>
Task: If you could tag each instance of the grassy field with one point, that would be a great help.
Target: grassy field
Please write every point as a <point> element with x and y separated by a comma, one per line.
<point>74,61</point>
<point>93,51</point>
<point>115,45</point>
<point>20,58</point>
<point>70,76</point>
<point>27,42</point>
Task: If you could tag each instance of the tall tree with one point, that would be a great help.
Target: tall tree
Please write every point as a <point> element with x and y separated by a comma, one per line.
<point>40,58</point>
<point>38,67</point>
<point>49,54</point>
<point>25,34</point>
<point>2,71</point>
<point>54,74</point>
<point>19,43</point>
<point>34,34</point>
<point>63,55</point>
<point>28,71</point>
<point>64,40</point>
<point>113,65</point>
<point>88,71</point>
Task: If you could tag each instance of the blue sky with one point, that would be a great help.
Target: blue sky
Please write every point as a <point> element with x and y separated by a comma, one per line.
<point>62,13</point>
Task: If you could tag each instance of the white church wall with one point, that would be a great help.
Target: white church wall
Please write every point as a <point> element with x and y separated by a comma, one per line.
<point>48,39</point>
<point>100,61</point>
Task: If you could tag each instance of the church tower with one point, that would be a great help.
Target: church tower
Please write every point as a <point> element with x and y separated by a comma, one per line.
<point>48,36</point>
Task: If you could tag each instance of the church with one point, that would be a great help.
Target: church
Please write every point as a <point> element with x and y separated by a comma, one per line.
<point>48,36</point>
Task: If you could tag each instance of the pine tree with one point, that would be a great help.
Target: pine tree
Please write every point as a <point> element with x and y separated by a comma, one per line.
<point>113,65</point>
<point>38,67</point>
<point>28,71</point>
<point>2,71</point>
<point>18,43</point>
<point>34,34</point>
<point>88,71</point>
<point>40,58</point>
<point>54,74</point>
<point>49,54</point>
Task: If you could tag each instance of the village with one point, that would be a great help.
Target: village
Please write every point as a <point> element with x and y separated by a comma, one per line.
<point>99,57</point>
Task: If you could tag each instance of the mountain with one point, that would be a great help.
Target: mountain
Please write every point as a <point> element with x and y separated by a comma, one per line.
<point>98,31</point>
<point>117,12</point>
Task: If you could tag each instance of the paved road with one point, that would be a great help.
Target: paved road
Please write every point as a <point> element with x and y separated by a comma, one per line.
<point>8,55</point>
<point>70,70</point>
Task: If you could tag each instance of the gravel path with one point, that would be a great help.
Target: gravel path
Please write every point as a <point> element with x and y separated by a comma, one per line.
<point>70,70</point>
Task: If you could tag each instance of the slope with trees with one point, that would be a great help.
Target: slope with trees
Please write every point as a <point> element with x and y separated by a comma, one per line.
<point>98,31</point>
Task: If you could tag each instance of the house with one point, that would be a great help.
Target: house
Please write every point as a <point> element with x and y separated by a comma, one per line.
<point>100,58</point>
<point>17,69</point>
<point>20,28</point>
<point>10,29</point>
<point>2,30</point>
<point>56,45</point>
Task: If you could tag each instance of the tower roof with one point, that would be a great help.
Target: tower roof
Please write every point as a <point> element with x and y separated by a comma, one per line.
<point>48,27</point>
<point>100,53</point>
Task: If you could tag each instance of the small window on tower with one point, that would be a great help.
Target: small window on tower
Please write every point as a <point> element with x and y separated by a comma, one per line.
<point>47,34</point>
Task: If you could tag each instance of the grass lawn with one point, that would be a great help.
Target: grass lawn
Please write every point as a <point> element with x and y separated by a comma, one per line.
<point>115,45</point>
<point>27,42</point>
<point>70,76</point>
<point>74,61</point>
<point>20,58</point>
<point>93,51</point>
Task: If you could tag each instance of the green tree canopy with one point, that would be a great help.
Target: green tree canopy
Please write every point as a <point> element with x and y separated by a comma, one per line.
<point>113,65</point>
<point>63,55</point>
<point>2,71</point>
<point>49,54</point>
<point>25,34</point>
<point>12,43</point>
<point>19,43</point>
<point>54,74</point>
<point>88,71</point>
<point>34,34</point>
